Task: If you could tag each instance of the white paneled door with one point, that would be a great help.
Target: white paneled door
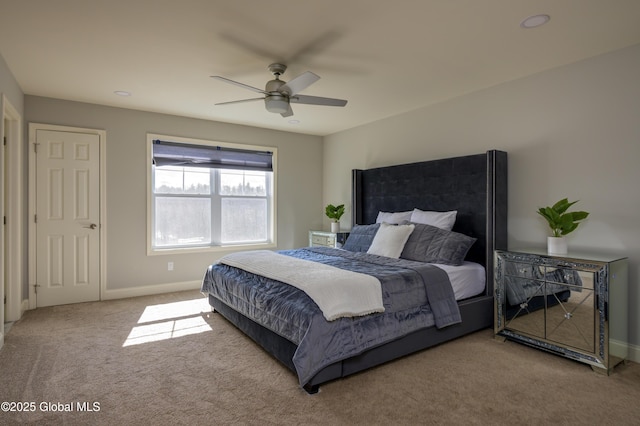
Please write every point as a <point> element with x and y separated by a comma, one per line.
<point>67,217</point>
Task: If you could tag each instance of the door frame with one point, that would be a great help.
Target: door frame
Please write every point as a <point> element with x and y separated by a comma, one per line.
<point>14,195</point>
<point>102,134</point>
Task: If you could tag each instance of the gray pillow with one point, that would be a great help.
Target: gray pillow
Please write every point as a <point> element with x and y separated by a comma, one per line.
<point>360,237</point>
<point>435,245</point>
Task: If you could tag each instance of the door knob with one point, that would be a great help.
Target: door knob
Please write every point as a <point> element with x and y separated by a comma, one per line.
<point>92,226</point>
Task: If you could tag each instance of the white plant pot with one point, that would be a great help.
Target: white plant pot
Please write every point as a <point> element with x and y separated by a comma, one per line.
<point>335,226</point>
<point>556,245</point>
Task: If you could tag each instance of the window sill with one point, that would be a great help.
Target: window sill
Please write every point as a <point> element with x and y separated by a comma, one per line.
<point>216,249</point>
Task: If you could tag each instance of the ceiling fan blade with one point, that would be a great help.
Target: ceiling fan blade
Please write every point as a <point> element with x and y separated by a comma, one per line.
<point>289,112</point>
<point>310,48</point>
<point>240,101</point>
<point>317,100</point>
<point>299,83</point>
<point>246,86</point>
<point>250,47</point>
<point>314,47</point>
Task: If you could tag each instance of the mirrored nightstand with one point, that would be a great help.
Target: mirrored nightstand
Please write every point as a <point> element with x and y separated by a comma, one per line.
<point>574,305</point>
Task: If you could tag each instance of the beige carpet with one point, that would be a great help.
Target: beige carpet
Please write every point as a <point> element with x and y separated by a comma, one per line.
<point>163,360</point>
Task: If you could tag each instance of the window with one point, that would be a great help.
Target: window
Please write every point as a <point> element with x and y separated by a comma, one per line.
<point>206,194</point>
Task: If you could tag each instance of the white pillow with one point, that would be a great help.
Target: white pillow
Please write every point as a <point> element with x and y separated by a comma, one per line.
<point>393,218</point>
<point>442,220</point>
<point>390,240</point>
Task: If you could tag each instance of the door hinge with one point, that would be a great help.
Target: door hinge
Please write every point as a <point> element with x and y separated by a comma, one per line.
<point>35,288</point>
<point>35,218</point>
<point>4,221</point>
<point>35,147</point>
<point>4,140</point>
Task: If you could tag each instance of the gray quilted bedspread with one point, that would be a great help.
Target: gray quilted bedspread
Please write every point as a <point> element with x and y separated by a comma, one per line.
<point>415,295</point>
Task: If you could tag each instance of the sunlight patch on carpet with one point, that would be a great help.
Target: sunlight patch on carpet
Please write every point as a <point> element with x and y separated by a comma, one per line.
<point>170,320</point>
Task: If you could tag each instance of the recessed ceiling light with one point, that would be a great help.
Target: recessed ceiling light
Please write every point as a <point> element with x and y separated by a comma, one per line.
<point>293,121</point>
<point>122,93</point>
<point>535,21</point>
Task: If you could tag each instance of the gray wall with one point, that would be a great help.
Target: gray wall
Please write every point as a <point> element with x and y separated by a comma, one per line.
<point>299,183</point>
<point>9,87</point>
<point>570,132</point>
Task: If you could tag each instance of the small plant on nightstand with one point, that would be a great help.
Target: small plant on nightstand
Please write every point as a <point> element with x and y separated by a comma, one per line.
<point>561,223</point>
<point>334,213</point>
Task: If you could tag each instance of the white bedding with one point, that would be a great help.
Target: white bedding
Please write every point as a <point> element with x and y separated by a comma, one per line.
<point>325,284</point>
<point>467,280</point>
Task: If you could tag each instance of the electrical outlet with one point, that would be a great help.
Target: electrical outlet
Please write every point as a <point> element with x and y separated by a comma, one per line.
<point>170,266</point>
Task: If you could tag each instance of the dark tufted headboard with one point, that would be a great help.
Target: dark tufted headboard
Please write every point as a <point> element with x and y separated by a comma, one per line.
<point>474,185</point>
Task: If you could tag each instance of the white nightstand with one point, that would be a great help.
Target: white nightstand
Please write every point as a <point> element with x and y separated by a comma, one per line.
<point>327,239</point>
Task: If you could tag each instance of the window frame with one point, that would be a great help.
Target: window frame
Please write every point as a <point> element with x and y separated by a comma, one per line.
<point>272,212</point>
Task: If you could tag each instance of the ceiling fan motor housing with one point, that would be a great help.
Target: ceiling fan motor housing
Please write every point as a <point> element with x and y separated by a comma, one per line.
<point>274,86</point>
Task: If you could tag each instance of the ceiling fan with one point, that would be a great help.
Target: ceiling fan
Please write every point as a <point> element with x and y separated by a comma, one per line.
<point>278,94</point>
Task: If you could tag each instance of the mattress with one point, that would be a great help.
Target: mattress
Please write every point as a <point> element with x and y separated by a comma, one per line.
<point>467,280</point>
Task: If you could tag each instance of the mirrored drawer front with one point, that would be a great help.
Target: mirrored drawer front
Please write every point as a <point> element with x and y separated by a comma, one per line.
<point>523,270</point>
<point>573,277</point>
<point>518,271</point>
<point>321,240</point>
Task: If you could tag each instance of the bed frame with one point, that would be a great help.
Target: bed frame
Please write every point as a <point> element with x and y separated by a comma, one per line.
<point>475,186</point>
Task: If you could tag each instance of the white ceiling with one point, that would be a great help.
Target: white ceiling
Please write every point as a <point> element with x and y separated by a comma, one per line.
<point>385,57</point>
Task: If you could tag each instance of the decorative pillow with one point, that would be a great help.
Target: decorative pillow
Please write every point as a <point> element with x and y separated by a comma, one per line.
<point>393,218</point>
<point>431,244</point>
<point>390,239</point>
<point>444,220</point>
<point>360,237</point>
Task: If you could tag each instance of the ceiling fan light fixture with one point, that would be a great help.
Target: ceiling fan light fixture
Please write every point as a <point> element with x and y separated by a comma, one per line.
<point>276,104</point>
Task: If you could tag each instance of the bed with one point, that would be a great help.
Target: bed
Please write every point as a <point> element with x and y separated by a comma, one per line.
<point>319,348</point>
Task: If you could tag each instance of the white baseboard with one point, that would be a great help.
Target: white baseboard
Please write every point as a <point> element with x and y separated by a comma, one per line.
<point>634,353</point>
<point>618,347</point>
<point>149,290</point>
<point>24,307</point>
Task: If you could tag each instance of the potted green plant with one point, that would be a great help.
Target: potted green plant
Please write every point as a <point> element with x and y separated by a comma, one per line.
<point>561,222</point>
<point>334,213</point>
